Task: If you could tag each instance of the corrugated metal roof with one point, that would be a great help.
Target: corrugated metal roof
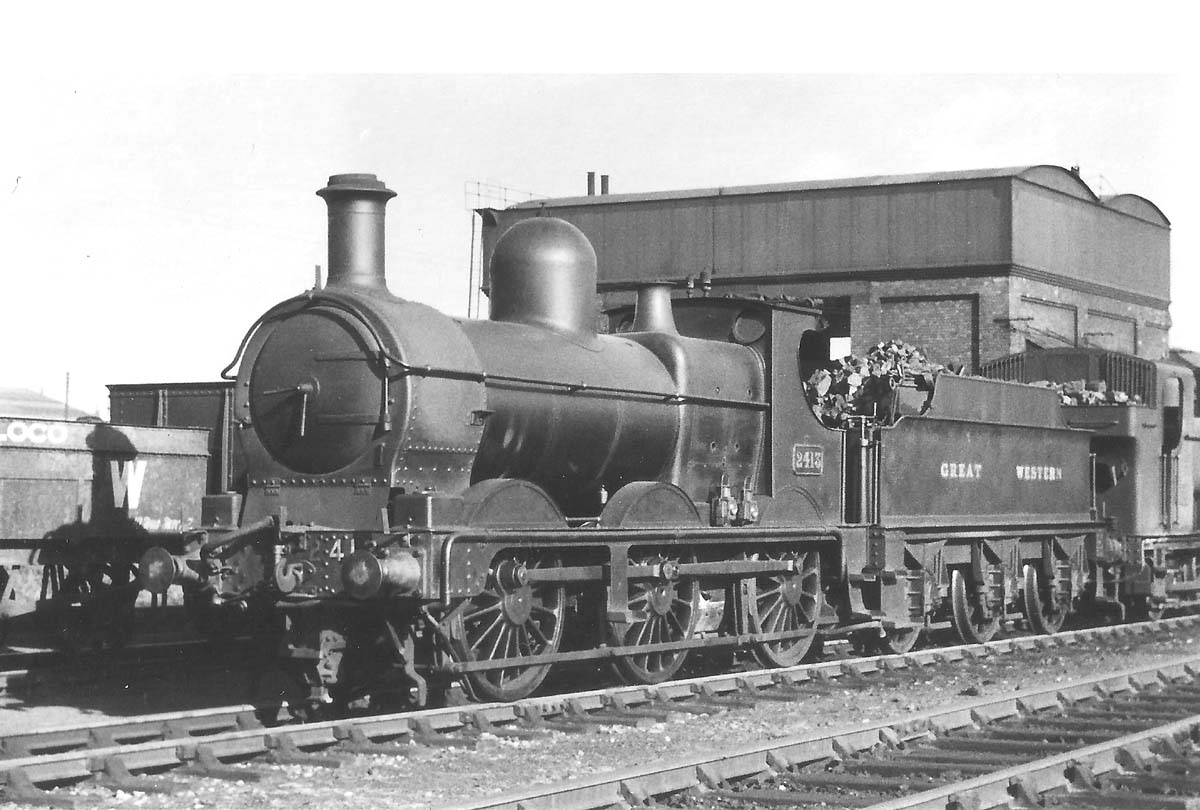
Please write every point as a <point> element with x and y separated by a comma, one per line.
<point>1030,173</point>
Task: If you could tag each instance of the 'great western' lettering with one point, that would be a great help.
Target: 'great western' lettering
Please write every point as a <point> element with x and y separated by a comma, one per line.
<point>958,469</point>
<point>1027,472</point>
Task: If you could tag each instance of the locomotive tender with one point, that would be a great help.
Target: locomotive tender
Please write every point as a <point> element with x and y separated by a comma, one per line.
<point>433,500</point>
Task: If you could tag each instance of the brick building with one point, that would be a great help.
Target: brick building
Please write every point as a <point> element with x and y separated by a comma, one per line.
<point>967,265</point>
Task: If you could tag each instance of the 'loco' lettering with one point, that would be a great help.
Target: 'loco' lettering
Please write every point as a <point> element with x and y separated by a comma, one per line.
<point>34,433</point>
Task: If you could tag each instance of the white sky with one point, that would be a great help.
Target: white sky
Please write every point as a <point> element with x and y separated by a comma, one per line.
<point>147,216</point>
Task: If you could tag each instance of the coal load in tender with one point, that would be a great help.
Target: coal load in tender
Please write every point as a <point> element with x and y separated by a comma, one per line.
<point>1088,392</point>
<point>867,386</point>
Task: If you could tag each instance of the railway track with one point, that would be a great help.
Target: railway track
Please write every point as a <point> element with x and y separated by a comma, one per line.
<point>118,755</point>
<point>1126,739</point>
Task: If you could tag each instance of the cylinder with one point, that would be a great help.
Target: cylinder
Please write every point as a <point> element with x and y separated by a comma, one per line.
<point>543,273</point>
<point>365,576</point>
<point>603,184</point>
<point>356,229</point>
<point>653,312</point>
<point>591,184</point>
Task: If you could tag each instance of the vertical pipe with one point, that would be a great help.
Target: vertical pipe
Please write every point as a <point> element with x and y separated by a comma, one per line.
<point>67,398</point>
<point>316,276</point>
<point>842,477</point>
<point>1092,461</point>
<point>864,492</point>
<point>603,184</point>
<point>591,180</point>
<point>225,465</point>
<point>1174,490</point>
<point>876,467</point>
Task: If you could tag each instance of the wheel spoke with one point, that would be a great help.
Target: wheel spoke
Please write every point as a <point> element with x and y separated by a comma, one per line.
<point>776,607</point>
<point>535,631</point>
<point>482,612</point>
<point>501,639</point>
<point>673,619</point>
<point>643,631</point>
<point>765,592</point>
<point>498,622</point>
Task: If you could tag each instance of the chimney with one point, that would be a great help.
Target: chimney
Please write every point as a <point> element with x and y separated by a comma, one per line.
<point>591,184</point>
<point>604,184</point>
<point>356,203</point>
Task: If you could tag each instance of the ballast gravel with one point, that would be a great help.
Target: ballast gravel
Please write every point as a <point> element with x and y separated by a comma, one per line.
<point>423,778</point>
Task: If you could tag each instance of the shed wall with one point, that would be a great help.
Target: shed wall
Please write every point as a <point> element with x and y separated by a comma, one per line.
<point>1081,240</point>
<point>790,233</point>
<point>1055,316</point>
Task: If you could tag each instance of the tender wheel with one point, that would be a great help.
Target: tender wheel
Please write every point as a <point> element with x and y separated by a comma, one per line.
<point>665,611</point>
<point>969,619</point>
<point>779,603</point>
<point>898,640</point>
<point>511,619</point>
<point>895,641</point>
<point>1044,614</point>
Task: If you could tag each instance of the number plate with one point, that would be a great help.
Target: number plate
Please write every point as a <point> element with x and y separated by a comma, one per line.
<point>808,459</point>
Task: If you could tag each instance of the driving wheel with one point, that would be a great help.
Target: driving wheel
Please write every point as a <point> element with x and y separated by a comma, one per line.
<point>784,602</point>
<point>665,609</point>
<point>512,619</point>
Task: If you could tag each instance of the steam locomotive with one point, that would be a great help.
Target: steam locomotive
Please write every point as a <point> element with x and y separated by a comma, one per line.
<point>434,503</point>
